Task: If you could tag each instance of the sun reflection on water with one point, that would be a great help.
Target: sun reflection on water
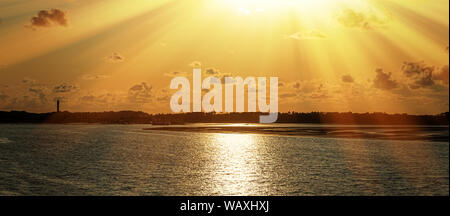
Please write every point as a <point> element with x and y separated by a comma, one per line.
<point>236,164</point>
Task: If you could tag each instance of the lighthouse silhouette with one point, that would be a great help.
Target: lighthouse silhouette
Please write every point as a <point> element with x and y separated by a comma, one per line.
<point>57,105</point>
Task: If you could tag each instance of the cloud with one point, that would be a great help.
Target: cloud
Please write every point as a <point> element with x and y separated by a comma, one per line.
<point>95,77</point>
<point>102,99</point>
<point>175,74</point>
<point>205,73</point>
<point>307,35</point>
<point>347,79</point>
<point>31,99</point>
<point>224,80</point>
<point>310,89</point>
<point>163,98</point>
<point>320,91</point>
<point>115,58</point>
<point>28,81</point>
<point>217,73</point>
<point>305,87</point>
<point>296,85</point>
<point>419,74</point>
<point>212,72</point>
<point>47,18</point>
<point>353,19</point>
<point>320,95</point>
<point>384,80</point>
<point>40,94</point>
<point>163,95</point>
<point>196,64</point>
<point>140,93</point>
<point>442,75</point>
<point>65,88</point>
<point>418,79</point>
<point>3,97</point>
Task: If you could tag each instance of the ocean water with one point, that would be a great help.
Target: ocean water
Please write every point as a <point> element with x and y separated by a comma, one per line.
<point>127,160</point>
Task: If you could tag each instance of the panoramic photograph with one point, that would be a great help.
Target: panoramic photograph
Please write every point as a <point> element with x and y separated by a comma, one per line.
<point>224,98</point>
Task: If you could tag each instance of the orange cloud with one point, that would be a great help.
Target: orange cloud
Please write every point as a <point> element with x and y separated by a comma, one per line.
<point>347,79</point>
<point>46,18</point>
<point>384,80</point>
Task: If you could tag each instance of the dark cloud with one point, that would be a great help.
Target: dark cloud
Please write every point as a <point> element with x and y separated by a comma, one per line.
<point>224,80</point>
<point>313,89</point>
<point>442,75</point>
<point>175,74</point>
<point>65,88</point>
<point>217,73</point>
<point>140,93</point>
<point>212,72</point>
<point>27,80</point>
<point>95,77</point>
<point>296,85</point>
<point>353,19</point>
<point>46,18</point>
<point>419,74</point>
<point>347,79</point>
<point>115,58</point>
<point>415,76</point>
<point>209,72</point>
<point>384,80</point>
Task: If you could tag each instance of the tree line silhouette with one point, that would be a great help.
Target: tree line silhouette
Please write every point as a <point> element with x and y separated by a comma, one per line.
<point>133,117</point>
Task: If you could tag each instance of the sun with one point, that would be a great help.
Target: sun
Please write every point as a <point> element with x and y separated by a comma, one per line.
<point>266,4</point>
<point>249,7</point>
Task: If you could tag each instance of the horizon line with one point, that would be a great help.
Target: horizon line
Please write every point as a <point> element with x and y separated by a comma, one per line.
<point>223,113</point>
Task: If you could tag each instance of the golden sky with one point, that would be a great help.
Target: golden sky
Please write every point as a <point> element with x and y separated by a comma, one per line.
<point>348,55</point>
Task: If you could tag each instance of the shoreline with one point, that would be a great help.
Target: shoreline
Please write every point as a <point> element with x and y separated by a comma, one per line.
<point>429,133</point>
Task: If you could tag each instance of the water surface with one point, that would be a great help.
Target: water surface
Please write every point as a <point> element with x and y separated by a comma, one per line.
<point>127,160</point>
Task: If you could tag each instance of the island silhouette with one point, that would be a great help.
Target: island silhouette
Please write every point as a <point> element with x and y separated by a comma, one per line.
<point>138,117</point>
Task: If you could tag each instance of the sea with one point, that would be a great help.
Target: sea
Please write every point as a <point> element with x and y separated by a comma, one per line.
<point>130,160</point>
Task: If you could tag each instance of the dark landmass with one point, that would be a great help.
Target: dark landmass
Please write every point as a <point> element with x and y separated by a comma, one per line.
<point>123,117</point>
<point>407,133</point>
<point>132,117</point>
